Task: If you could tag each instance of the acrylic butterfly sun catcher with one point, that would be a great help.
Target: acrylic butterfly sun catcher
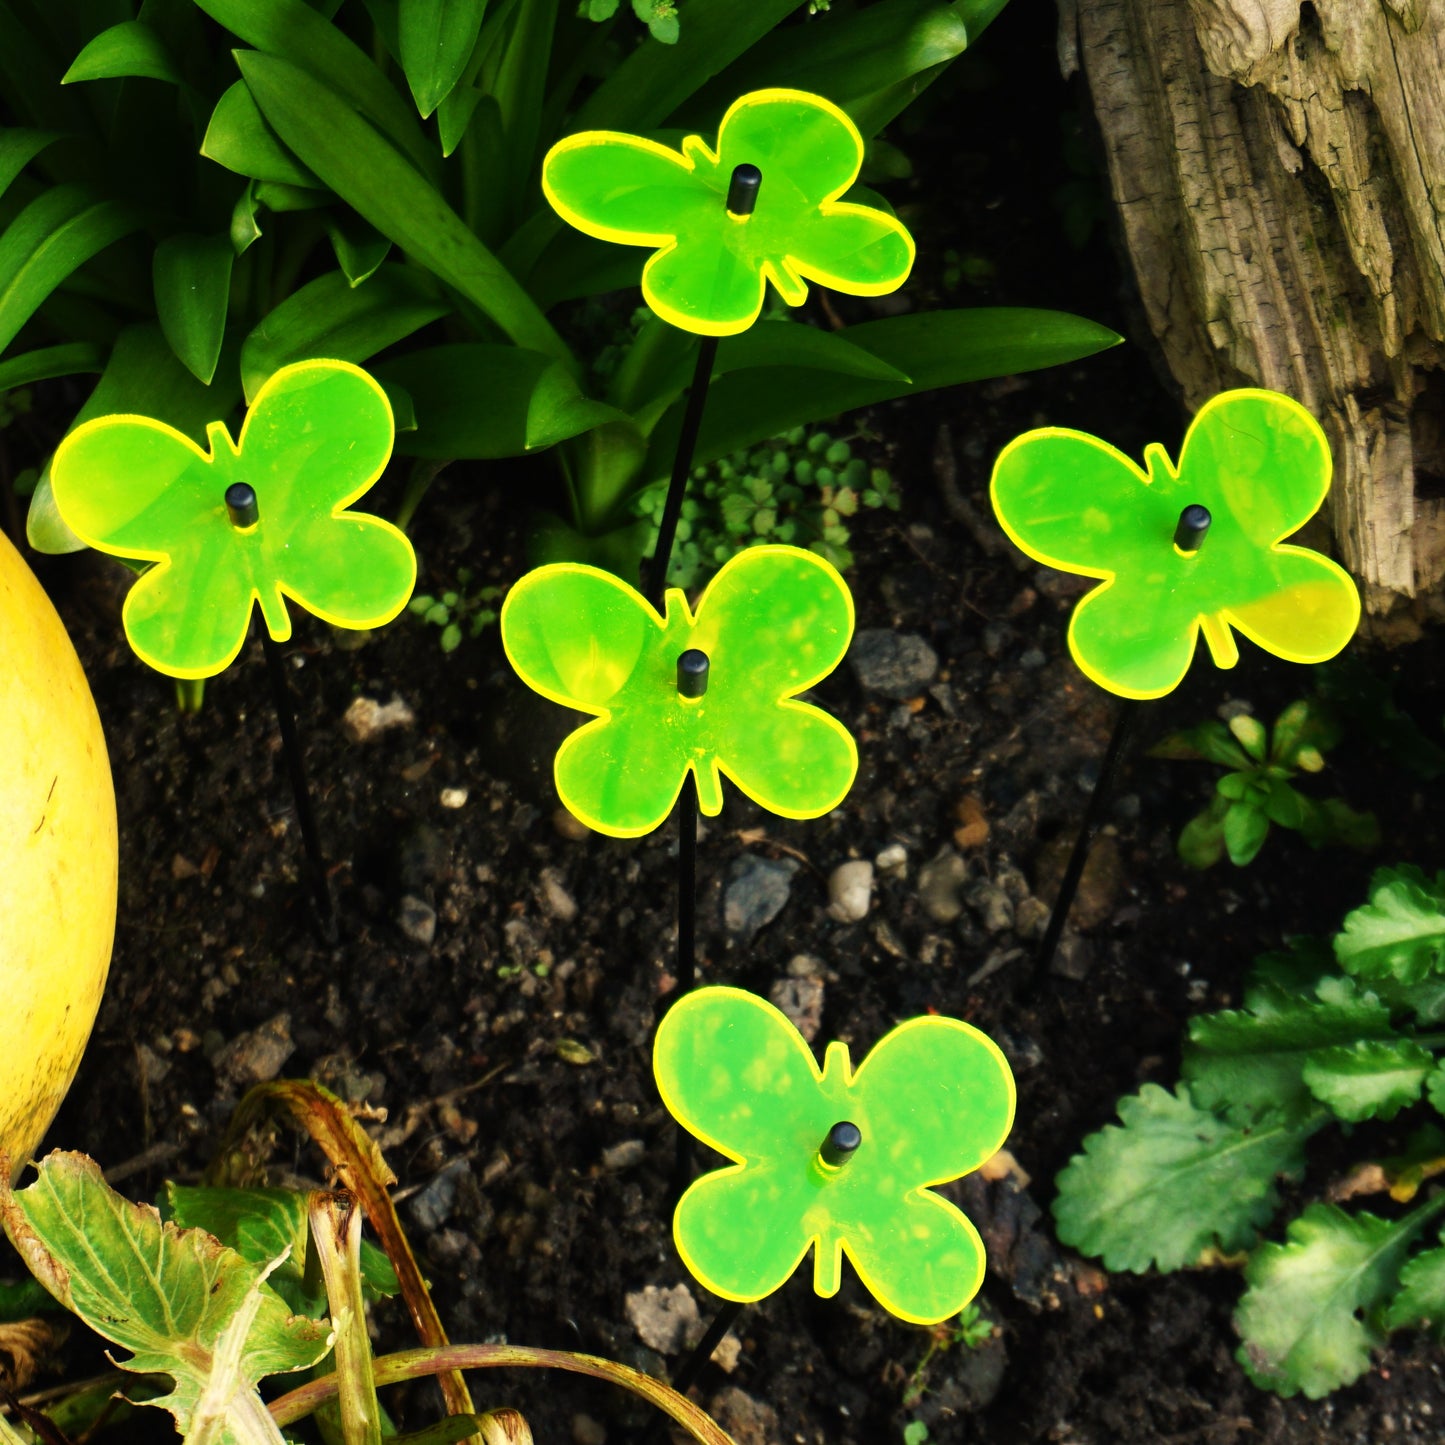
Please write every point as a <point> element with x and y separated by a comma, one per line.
<point>1259,466</point>
<point>930,1102</point>
<point>316,438</point>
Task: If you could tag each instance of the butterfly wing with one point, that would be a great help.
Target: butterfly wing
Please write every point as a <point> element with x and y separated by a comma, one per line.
<point>1261,464</point>
<point>134,487</point>
<point>586,640</point>
<point>773,622</point>
<point>735,1072</point>
<point>934,1099</point>
<point>318,436</point>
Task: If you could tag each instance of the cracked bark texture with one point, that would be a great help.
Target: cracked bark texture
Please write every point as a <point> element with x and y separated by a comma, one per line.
<point>1279,170</point>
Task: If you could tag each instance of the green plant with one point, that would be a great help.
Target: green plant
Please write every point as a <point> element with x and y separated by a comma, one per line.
<point>247,183</point>
<point>462,611</point>
<point>1333,1033</point>
<point>1256,791</point>
<point>225,1287</point>
<point>797,489</point>
<point>968,1330</point>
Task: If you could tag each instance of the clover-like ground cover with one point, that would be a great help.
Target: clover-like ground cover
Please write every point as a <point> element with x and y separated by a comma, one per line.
<point>541,1195</point>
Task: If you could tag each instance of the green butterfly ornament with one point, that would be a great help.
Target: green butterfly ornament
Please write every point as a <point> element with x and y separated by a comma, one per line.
<point>711,690</point>
<point>1187,549</point>
<point>837,1160</point>
<point>263,519</point>
<point>764,206</point>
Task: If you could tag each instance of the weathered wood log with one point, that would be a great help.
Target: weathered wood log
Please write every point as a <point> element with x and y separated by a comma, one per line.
<point>1279,172</point>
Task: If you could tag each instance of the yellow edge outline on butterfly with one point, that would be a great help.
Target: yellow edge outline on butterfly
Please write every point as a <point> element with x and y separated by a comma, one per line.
<point>213,429</point>
<point>1221,645</point>
<point>666,242</point>
<point>716,771</point>
<point>832,1267</point>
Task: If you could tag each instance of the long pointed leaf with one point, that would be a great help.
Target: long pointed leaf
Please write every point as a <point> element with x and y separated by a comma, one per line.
<point>436,39</point>
<point>131,48</point>
<point>55,234</point>
<point>193,286</point>
<point>364,169</point>
<point>68,359</point>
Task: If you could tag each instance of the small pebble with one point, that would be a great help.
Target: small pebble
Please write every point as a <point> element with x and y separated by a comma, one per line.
<point>756,893</point>
<point>569,827</point>
<point>1073,958</point>
<point>666,1320</point>
<point>972,831</point>
<point>433,1206</point>
<point>801,999</point>
<point>1032,659</point>
<point>990,900</point>
<point>850,891</point>
<point>1031,918</point>
<point>892,861</point>
<point>256,1057</point>
<point>624,1155</point>
<point>367,719</point>
<point>895,664</point>
<point>940,882</point>
<point>556,901</point>
<point>454,798</point>
<point>417,919</point>
<point>587,1431</point>
<point>804,965</point>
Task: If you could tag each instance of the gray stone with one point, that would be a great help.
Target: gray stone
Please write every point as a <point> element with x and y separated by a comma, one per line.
<point>896,664</point>
<point>802,1000</point>
<point>940,885</point>
<point>850,891</point>
<point>367,719</point>
<point>556,901</point>
<point>892,861</point>
<point>438,1201</point>
<point>256,1057</point>
<point>1073,958</point>
<point>1032,659</point>
<point>624,1155</point>
<point>991,902</point>
<point>756,892</point>
<point>666,1320</point>
<point>1031,918</point>
<point>417,919</point>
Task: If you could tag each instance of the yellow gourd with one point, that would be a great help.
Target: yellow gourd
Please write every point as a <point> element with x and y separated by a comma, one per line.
<point>57,860</point>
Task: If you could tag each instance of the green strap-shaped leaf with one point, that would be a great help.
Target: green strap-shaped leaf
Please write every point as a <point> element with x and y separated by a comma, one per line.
<point>238,138</point>
<point>68,359</point>
<point>1175,1180</point>
<point>1307,1317</point>
<point>181,1302</point>
<point>360,248</point>
<point>1400,932</point>
<point>436,39</point>
<point>330,317</point>
<point>297,32</point>
<point>193,287</point>
<point>532,401</point>
<point>372,176</point>
<point>18,147</point>
<point>56,233</point>
<point>131,48</point>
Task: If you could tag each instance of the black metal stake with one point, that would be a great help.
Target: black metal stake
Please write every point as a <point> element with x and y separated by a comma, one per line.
<point>692,1367</point>
<point>244,511</point>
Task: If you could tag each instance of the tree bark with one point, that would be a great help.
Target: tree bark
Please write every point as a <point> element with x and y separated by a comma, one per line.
<point>1279,171</point>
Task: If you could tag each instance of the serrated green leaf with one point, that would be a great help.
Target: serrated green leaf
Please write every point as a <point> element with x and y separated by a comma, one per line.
<point>1306,1317</point>
<point>131,48</point>
<point>1400,932</point>
<point>1174,1180</point>
<point>1421,1301</point>
<point>1295,969</point>
<point>179,1300</point>
<point>1371,1079</point>
<point>1249,1061</point>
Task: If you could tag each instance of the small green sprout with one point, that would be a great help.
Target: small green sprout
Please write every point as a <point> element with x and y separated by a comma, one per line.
<point>799,489</point>
<point>1256,790</point>
<point>968,1328</point>
<point>459,612</point>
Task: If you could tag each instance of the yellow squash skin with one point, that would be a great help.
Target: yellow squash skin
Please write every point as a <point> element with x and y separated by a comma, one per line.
<point>57,860</point>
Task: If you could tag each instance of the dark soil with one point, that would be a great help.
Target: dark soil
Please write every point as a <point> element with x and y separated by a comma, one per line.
<point>536,1173</point>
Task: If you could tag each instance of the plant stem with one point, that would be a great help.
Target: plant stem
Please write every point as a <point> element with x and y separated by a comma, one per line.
<point>315,862</point>
<point>681,467</point>
<point>1093,817</point>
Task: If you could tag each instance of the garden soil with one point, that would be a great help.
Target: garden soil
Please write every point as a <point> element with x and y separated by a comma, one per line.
<point>490,1006</point>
